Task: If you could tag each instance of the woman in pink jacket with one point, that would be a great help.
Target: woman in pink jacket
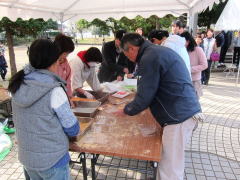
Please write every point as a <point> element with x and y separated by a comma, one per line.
<point>65,46</point>
<point>198,61</point>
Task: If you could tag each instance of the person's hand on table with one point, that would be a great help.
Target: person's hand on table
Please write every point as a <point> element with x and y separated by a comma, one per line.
<point>126,70</point>
<point>119,78</point>
<point>129,76</point>
<point>88,95</point>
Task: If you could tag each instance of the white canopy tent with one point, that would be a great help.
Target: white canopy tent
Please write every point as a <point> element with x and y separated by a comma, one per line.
<point>63,10</point>
<point>229,20</point>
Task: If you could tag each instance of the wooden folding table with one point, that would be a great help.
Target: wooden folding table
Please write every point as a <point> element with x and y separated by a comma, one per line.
<point>135,137</point>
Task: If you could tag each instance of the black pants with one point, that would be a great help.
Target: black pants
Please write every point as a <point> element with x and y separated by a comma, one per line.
<point>236,55</point>
<point>206,73</point>
<point>223,53</point>
<point>27,177</point>
<point>3,72</point>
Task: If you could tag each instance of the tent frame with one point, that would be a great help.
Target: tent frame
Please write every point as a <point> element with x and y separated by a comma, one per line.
<point>64,14</point>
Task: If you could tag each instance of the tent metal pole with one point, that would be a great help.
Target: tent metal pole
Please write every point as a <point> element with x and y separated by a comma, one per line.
<point>192,22</point>
<point>186,5</point>
<point>238,75</point>
<point>61,21</point>
<point>70,17</point>
<point>12,4</point>
<point>73,4</point>
<point>188,20</point>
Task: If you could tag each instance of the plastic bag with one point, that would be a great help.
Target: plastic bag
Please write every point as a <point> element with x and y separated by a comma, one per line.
<point>215,56</point>
<point>5,142</point>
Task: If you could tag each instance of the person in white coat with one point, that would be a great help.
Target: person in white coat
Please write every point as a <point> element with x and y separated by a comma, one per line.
<point>177,44</point>
<point>236,45</point>
<point>83,68</point>
<point>209,46</point>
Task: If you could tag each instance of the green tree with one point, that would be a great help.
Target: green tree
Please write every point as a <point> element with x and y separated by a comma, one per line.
<point>96,31</point>
<point>126,24</point>
<point>207,17</point>
<point>103,28</point>
<point>147,24</point>
<point>113,24</point>
<point>21,28</point>
<point>81,25</point>
<point>50,24</point>
<point>166,21</point>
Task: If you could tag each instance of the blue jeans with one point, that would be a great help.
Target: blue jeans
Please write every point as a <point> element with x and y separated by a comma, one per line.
<point>206,73</point>
<point>61,173</point>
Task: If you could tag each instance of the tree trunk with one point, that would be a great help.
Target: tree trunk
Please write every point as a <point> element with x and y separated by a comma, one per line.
<point>157,25</point>
<point>12,60</point>
<point>208,25</point>
<point>113,29</point>
<point>81,34</point>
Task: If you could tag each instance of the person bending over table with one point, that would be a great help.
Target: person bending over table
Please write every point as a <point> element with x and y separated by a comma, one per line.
<point>84,69</point>
<point>164,86</point>
<point>115,64</point>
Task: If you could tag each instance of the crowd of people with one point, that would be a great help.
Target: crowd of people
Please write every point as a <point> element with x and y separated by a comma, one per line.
<point>170,68</point>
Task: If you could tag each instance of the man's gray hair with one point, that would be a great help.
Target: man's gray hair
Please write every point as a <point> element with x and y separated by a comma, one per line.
<point>131,38</point>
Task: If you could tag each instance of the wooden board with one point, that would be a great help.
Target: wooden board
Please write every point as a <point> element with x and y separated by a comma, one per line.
<point>137,137</point>
<point>85,124</point>
<point>4,95</point>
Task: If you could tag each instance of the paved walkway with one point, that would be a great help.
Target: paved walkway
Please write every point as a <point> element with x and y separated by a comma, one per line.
<point>214,151</point>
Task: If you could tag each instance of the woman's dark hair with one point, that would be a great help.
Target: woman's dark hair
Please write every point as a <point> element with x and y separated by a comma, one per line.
<point>158,34</point>
<point>42,54</point>
<point>64,43</point>
<point>16,81</point>
<point>198,35</point>
<point>192,43</point>
<point>132,38</point>
<point>204,33</point>
<point>93,54</point>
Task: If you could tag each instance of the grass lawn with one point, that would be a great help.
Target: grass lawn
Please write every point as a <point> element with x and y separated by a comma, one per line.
<point>98,40</point>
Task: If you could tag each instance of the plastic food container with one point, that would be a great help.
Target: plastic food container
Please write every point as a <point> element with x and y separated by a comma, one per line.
<point>121,94</point>
<point>86,108</point>
<point>100,96</point>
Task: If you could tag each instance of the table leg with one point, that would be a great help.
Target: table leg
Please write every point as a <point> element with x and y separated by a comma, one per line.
<point>155,166</point>
<point>93,163</point>
<point>84,165</point>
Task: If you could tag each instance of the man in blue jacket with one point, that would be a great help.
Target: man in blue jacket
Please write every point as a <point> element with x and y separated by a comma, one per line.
<point>164,85</point>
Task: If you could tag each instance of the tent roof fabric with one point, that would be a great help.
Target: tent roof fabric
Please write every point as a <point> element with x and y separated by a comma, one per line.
<point>64,10</point>
<point>230,17</point>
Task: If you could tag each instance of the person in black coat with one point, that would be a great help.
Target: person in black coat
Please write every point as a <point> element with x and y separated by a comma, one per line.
<point>220,39</point>
<point>3,66</point>
<point>115,64</point>
<point>227,43</point>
